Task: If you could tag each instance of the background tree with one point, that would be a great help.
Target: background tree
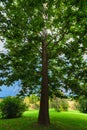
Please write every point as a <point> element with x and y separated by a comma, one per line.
<point>45,42</point>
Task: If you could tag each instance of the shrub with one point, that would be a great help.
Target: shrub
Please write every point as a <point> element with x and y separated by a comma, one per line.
<point>59,104</point>
<point>65,104</point>
<point>12,107</point>
<point>62,105</point>
<point>83,105</point>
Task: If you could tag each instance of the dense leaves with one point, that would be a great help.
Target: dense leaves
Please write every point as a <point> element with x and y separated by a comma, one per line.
<point>62,24</point>
<point>59,104</point>
<point>12,107</point>
<point>83,104</point>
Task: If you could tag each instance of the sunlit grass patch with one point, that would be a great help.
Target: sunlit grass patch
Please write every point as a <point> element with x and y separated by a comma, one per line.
<point>71,120</point>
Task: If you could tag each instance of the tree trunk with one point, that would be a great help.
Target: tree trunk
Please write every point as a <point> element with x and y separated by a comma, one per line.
<point>44,101</point>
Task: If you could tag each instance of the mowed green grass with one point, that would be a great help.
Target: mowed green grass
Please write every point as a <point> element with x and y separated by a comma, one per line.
<point>59,121</point>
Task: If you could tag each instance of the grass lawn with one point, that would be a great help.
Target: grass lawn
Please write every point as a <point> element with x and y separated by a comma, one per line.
<point>71,120</point>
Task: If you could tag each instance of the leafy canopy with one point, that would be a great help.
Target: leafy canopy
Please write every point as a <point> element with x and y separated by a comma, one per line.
<point>24,25</point>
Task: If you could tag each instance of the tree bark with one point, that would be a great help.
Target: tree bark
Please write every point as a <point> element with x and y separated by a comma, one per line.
<point>43,117</point>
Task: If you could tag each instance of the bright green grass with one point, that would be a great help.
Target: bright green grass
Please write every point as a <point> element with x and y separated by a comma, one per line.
<point>71,120</point>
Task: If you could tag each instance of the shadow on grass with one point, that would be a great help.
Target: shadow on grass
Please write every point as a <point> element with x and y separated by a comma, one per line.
<point>26,123</point>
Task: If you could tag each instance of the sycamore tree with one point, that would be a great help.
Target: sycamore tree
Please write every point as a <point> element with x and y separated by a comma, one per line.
<point>45,44</point>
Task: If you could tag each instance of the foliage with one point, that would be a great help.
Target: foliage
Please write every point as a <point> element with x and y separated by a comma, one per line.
<point>32,102</point>
<point>35,106</point>
<point>12,107</point>
<point>60,104</point>
<point>73,104</point>
<point>62,25</point>
<point>83,104</point>
<point>1,99</point>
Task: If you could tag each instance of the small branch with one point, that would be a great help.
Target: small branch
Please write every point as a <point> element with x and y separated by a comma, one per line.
<point>60,39</point>
<point>55,44</point>
<point>61,32</point>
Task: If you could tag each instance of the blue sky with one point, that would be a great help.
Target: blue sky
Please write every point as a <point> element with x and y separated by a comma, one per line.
<point>9,91</point>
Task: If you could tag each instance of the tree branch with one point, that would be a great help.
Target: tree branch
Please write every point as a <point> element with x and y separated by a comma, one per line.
<point>61,32</point>
<point>55,44</point>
